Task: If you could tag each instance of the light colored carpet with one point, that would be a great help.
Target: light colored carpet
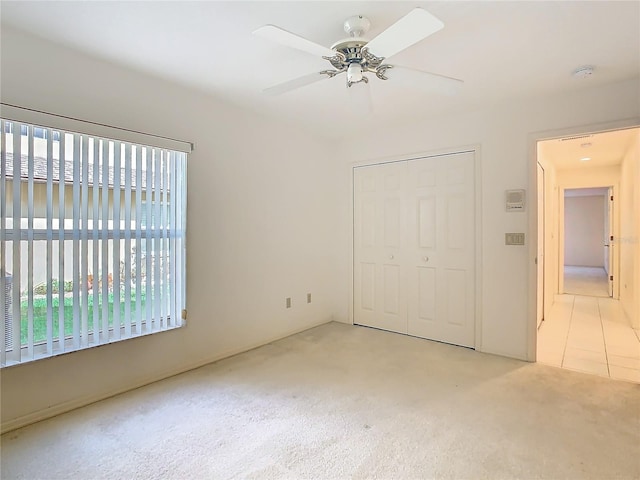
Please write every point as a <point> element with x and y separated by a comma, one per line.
<point>590,281</point>
<point>340,401</point>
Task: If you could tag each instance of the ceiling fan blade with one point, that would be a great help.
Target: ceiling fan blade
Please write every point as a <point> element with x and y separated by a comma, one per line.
<point>295,83</point>
<point>416,25</point>
<point>360,100</point>
<point>288,39</point>
<point>412,78</point>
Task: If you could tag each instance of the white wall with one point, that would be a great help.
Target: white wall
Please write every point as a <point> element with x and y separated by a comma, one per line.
<point>584,231</point>
<point>629,239</point>
<point>262,212</point>
<point>503,132</point>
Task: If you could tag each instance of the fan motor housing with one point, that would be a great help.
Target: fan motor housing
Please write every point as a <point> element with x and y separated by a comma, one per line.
<point>351,48</point>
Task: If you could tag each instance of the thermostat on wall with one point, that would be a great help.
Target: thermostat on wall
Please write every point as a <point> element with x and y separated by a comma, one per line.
<point>515,200</point>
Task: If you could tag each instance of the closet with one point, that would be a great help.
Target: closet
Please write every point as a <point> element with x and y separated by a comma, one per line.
<point>414,247</point>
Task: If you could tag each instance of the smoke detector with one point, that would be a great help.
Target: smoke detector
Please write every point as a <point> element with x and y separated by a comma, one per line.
<point>583,72</point>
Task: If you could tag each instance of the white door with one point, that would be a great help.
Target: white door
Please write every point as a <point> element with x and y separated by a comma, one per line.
<point>441,248</point>
<point>379,242</point>
<point>414,247</point>
<point>608,242</point>
<point>540,250</point>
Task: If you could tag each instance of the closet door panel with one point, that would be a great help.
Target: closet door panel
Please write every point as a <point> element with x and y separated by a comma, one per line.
<point>441,246</point>
<point>380,291</point>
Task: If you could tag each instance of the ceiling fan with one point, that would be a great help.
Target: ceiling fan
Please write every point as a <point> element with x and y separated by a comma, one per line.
<point>356,56</point>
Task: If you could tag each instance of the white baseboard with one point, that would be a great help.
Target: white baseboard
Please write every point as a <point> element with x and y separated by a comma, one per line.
<point>65,407</point>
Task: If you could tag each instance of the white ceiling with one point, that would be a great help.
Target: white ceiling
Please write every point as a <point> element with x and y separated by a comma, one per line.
<point>502,50</point>
<point>604,149</point>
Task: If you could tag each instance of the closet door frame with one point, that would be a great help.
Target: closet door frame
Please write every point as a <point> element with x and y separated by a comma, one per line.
<point>476,150</point>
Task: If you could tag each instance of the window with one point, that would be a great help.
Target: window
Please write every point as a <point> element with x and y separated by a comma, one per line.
<point>80,264</point>
<point>38,132</point>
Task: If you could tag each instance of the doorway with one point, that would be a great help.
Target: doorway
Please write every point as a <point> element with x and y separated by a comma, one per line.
<point>588,225</point>
<point>587,298</point>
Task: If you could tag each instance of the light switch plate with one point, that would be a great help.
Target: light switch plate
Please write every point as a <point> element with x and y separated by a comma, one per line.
<point>514,238</point>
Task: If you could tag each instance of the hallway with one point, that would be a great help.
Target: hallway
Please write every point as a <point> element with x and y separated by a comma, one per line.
<point>590,335</point>
<point>590,281</point>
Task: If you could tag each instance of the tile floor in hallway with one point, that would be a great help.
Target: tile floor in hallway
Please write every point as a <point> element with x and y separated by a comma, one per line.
<point>591,335</point>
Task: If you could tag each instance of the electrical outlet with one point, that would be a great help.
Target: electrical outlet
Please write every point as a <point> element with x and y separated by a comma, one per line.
<point>288,302</point>
<point>308,298</point>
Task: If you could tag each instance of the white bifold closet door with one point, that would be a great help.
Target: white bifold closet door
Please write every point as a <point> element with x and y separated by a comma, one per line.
<point>380,246</point>
<point>414,247</point>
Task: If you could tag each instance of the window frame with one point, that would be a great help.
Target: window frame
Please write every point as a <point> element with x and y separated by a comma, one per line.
<point>59,124</point>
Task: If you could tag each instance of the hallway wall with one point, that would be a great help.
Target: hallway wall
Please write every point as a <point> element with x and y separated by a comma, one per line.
<point>584,231</point>
<point>628,243</point>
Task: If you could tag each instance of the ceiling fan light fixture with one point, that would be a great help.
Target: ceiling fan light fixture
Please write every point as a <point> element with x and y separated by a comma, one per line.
<point>354,73</point>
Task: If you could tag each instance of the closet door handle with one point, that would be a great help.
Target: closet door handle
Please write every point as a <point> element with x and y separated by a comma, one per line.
<point>390,257</point>
<point>426,259</point>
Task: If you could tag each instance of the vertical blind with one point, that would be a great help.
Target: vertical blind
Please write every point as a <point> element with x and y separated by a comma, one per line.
<point>92,240</point>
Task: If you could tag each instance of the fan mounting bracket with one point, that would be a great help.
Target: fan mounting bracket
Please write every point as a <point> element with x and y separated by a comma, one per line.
<point>357,25</point>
